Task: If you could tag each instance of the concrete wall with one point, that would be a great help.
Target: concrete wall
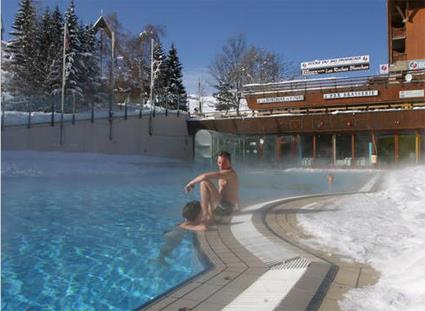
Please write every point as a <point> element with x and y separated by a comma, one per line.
<point>169,137</point>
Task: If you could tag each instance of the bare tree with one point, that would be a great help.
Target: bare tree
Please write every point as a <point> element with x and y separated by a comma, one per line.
<point>240,64</point>
<point>149,32</point>
<point>133,52</point>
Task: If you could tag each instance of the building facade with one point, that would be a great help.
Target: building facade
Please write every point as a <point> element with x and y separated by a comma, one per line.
<point>352,122</point>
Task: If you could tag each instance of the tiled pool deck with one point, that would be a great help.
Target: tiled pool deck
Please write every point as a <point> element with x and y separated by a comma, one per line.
<point>258,263</point>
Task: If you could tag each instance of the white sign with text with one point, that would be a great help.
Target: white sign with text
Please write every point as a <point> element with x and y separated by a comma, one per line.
<point>335,62</point>
<point>270,100</point>
<point>351,94</point>
<point>411,94</point>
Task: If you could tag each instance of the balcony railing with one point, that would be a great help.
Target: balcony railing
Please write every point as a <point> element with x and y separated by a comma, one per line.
<point>398,32</point>
<point>328,83</point>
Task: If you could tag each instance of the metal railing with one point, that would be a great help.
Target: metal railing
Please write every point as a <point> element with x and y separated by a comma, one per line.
<point>20,111</point>
<point>309,85</point>
<point>332,83</point>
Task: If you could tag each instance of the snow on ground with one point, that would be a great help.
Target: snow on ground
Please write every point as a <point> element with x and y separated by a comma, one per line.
<point>208,104</point>
<point>385,230</point>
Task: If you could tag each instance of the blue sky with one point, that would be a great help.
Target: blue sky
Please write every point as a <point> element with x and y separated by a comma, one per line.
<point>300,30</point>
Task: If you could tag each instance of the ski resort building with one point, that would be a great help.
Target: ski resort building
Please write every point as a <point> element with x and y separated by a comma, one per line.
<point>353,122</point>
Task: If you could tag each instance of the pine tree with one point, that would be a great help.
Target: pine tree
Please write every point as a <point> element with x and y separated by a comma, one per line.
<point>23,48</point>
<point>176,93</point>
<point>44,42</point>
<point>225,96</point>
<point>53,82</point>
<point>90,70</point>
<point>73,53</point>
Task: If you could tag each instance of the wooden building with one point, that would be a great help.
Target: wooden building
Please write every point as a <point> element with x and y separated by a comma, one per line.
<point>374,120</point>
<point>406,32</point>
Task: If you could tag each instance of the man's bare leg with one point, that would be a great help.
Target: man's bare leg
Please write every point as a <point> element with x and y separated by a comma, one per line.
<point>210,198</point>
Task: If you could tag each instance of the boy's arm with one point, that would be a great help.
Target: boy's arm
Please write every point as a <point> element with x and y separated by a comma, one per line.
<point>190,226</point>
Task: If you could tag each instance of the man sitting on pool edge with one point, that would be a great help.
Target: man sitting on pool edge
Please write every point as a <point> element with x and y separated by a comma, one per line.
<point>222,201</point>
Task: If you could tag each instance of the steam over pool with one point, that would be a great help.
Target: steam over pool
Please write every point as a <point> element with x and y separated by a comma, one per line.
<point>83,231</point>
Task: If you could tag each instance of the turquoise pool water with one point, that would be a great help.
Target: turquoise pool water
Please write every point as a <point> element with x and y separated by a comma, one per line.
<point>83,231</point>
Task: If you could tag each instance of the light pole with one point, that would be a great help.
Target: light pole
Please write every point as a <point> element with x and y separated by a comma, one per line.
<point>142,36</point>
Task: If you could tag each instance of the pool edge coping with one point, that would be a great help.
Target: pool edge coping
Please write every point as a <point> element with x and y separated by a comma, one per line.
<point>170,301</point>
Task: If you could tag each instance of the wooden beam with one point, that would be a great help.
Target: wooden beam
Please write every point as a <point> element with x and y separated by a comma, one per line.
<point>396,147</point>
<point>403,15</point>
<point>293,147</point>
<point>278,146</point>
<point>374,145</point>
<point>353,149</point>
<point>418,146</point>
<point>314,147</point>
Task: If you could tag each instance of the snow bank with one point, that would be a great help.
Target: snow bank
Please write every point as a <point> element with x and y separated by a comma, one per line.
<point>385,230</point>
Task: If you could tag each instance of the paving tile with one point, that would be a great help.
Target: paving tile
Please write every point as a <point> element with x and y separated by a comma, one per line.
<point>180,304</point>
<point>180,292</point>
<point>202,292</point>
<point>329,305</point>
<point>316,269</point>
<point>243,281</point>
<point>232,260</point>
<point>225,296</point>
<point>367,277</point>
<point>236,268</point>
<point>347,276</point>
<point>336,291</point>
<point>160,304</point>
<point>307,283</point>
<point>208,275</point>
<point>256,270</point>
<point>224,278</point>
<point>287,308</point>
<point>208,306</point>
<point>297,299</point>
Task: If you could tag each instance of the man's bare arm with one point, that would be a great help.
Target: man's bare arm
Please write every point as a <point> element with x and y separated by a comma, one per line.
<point>202,177</point>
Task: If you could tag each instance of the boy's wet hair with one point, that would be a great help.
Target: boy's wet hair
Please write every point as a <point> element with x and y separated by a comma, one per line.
<point>191,210</point>
<point>225,154</point>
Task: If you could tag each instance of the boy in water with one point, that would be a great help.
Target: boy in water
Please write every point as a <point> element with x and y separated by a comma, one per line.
<point>192,214</point>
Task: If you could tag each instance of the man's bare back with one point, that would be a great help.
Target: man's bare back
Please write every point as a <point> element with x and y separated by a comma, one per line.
<point>228,187</point>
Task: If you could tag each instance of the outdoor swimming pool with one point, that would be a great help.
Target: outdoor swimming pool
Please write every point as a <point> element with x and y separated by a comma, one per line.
<point>83,231</point>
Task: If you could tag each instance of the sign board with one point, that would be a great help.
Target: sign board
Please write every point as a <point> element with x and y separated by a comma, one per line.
<point>417,64</point>
<point>373,159</point>
<point>411,94</point>
<point>335,65</point>
<point>335,69</point>
<point>270,100</point>
<point>384,69</point>
<point>343,61</point>
<point>351,94</point>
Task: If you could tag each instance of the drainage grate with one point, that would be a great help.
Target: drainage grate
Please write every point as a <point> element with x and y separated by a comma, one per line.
<point>293,263</point>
